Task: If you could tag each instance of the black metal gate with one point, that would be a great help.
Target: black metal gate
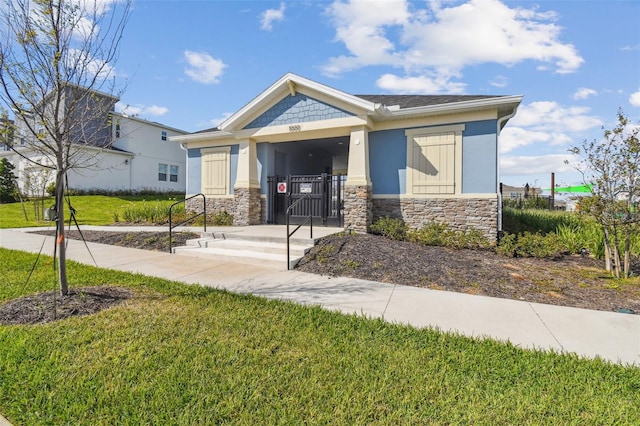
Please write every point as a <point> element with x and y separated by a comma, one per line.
<point>324,203</point>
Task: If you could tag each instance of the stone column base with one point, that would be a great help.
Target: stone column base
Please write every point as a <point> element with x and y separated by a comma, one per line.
<point>247,206</point>
<point>358,211</point>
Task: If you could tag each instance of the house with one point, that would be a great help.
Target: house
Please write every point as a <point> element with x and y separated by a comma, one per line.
<point>352,158</point>
<point>113,151</point>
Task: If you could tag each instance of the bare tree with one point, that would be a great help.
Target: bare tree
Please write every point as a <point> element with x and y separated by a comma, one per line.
<point>57,76</point>
<point>612,167</point>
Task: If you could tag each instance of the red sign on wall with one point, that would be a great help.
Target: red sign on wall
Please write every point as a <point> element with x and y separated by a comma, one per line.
<point>282,187</point>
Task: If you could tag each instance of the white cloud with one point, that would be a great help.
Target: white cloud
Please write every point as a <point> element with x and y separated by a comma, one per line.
<point>137,110</point>
<point>550,116</point>
<point>499,81</point>
<point>430,41</point>
<point>203,68</point>
<point>217,121</point>
<point>270,16</point>
<point>546,123</point>
<point>535,165</point>
<point>584,93</point>
<point>634,99</point>
<point>418,85</point>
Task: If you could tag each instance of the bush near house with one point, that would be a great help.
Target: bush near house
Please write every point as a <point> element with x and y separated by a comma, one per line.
<point>431,234</point>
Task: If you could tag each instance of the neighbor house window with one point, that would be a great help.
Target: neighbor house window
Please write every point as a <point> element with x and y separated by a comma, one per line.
<point>117,130</point>
<point>215,171</point>
<point>163,135</point>
<point>173,173</point>
<point>434,160</point>
<point>162,172</point>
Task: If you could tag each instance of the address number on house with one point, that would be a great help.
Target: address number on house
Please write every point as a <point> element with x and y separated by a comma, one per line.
<point>295,128</point>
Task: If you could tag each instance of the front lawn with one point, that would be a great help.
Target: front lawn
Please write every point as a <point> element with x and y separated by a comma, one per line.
<point>178,354</point>
<point>89,209</point>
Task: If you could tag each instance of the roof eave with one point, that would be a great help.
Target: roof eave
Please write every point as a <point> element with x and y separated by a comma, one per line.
<point>504,102</point>
<point>197,137</point>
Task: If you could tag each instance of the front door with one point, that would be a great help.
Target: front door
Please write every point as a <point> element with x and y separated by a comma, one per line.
<point>321,198</point>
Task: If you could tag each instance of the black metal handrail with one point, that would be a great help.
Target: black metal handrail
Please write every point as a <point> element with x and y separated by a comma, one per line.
<point>171,225</point>
<point>309,219</point>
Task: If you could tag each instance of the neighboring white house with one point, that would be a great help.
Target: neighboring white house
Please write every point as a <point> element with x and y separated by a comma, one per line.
<point>125,154</point>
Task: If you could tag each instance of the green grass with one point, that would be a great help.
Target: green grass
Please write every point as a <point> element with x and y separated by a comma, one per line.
<point>90,209</point>
<point>178,354</point>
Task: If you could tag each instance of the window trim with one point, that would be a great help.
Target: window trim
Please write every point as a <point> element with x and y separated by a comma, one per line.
<point>176,174</point>
<point>457,130</point>
<point>166,172</point>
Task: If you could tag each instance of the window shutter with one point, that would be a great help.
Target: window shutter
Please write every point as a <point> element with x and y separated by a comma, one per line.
<point>215,172</point>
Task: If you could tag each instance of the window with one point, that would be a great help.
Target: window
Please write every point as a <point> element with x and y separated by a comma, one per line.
<point>173,173</point>
<point>434,160</point>
<point>215,171</point>
<point>117,130</point>
<point>163,135</point>
<point>162,172</point>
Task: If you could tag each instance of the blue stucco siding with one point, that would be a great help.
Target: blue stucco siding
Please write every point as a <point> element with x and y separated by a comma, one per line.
<point>388,161</point>
<point>194,171</point>
<point>194,167</point>
<point>297,109</point>
<point>479,157</point>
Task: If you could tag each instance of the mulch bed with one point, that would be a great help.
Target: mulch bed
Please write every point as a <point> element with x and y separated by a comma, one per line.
<point>51,306</point>
<point>578,281</point>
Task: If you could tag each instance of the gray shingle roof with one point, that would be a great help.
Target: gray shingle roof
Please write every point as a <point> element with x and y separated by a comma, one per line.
<point>413,101</point>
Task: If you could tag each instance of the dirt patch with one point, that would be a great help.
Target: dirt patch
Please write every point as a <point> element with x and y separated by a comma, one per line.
<point>51,306</point>
<point>578,281</point>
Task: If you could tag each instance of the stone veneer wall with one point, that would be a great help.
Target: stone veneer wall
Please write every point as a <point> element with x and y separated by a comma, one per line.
<point>357,208</point>
<point>459,213</point>
<point>245,206</point>
<point>214,205</point>
<point>248,206</point>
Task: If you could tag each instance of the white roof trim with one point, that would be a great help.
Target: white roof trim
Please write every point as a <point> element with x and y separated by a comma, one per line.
<point>284,84</point>
<point>202,136</point>
<point>503,101</point>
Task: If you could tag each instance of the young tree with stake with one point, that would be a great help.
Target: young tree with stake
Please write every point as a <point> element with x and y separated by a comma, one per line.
<point>56,73</point>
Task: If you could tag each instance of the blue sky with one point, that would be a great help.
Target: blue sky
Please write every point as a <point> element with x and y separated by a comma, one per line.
<point>189,64</point>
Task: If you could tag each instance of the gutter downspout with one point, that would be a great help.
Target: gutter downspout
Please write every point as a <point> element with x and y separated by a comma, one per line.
<point>501,120</point>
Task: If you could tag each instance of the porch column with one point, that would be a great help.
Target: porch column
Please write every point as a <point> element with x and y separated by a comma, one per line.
<point>358,212</point>
<point>246,190</point>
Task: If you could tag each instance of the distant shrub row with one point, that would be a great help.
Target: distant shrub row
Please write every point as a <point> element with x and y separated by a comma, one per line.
<point>51,189</point>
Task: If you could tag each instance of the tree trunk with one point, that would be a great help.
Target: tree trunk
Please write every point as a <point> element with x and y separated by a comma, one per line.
<point>627,255</point>
<point>60,242</point>
<point>607,251</point>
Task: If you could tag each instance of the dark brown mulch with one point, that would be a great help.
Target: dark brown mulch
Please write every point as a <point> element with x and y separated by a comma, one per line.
<point>568,281</point>
<point>157,241</point>
<point>51,306</point>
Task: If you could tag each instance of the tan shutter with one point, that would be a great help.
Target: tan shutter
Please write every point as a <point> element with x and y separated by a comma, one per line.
<point>433,163</point>
<point>215,172</point>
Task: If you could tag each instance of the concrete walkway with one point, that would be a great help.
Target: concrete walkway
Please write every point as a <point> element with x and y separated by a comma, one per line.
<point>608,335</point>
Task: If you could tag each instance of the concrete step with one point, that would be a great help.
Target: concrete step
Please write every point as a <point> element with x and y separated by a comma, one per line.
<point>268,251</point>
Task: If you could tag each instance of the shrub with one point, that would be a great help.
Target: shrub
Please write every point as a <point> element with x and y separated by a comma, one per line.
<point>531,245</point>
<point>439,234</point>
<point>222,218</point>
<point>393,228</point>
